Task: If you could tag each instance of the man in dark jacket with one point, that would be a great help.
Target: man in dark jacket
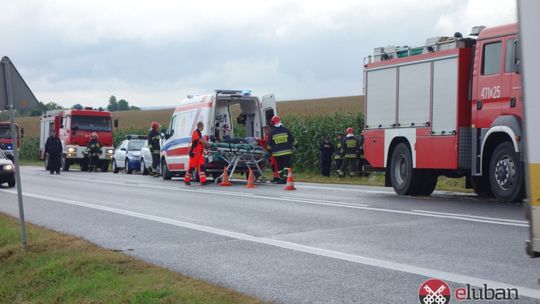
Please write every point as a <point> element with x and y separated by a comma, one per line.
<point>53,148</point>
<point>349,152</point>
<point>327,149</point>
<point>280,146</point>
<point>155,148</point>
<point>93,148</point>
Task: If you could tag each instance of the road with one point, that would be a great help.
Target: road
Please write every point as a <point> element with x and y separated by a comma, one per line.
<point>319,244</point>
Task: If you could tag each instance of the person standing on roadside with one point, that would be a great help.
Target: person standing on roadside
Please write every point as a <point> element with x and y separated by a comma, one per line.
<point>154,146</point>
<point>196,156</point>
<point>280,146</point>
<point>349,152</point>
<point>53,148</point>
<point>93,148</point>
<point>327,149</point>
<point>273,163</point>
<point>338,160</point>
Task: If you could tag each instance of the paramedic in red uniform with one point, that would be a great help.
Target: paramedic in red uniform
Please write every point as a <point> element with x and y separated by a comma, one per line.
<point>196,155</point>
<point>280,146</point>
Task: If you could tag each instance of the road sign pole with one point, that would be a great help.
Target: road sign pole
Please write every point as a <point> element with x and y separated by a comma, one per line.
<point>9,96</point>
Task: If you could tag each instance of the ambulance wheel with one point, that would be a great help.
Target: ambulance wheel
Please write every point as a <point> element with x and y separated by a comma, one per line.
<point>506,174</point>
<point>64,163</point>
<point>144,170</point>
<point>114,166</point>
<point>165,173</point>
<point>11,182</point>
<point>402,174</point>
<point>127,168</point>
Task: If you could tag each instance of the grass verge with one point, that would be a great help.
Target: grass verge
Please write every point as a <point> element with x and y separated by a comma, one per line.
<point>58,268</point>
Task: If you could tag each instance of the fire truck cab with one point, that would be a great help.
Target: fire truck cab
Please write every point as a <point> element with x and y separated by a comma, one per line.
<point>74,127</point>
<point>451,107</point>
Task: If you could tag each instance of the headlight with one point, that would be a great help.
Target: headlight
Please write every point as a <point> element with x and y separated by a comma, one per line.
<point>110,151</point>
<point>8,167</point>
<point>71,149</point>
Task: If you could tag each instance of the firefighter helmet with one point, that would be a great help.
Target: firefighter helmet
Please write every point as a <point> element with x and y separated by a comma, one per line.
<point>155,125</point>
<point>275,120</point>
<point>350,130</point>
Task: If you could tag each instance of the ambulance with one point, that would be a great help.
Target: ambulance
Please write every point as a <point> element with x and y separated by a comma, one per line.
<point>214,110</point>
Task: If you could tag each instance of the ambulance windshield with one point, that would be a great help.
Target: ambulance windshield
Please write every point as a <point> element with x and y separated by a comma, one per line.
<point>91,123</point>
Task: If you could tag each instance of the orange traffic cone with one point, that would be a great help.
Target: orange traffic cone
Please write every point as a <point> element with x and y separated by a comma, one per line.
<point>290,181</point>
<point>251,180</point>
<point>225,182</point>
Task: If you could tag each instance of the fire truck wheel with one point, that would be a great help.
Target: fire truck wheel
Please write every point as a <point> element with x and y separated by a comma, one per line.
<point>428,182</point>
<point>114,166</point>
<point>11,182</point>
<point>65,164</point>
<point>506,174</point>
<point>403,176</point>
<point>105,166</point>
<point>127,168</point>
<point>481,186</point>
<point>165,173</point>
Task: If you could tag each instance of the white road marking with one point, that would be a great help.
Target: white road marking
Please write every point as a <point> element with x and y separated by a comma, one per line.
<point>474,216</point>
<point>389,265</point>
<point>307,201</point>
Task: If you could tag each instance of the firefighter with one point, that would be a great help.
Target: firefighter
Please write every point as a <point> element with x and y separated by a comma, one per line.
<point>53,148</point>
<point>196,155</point>
<point>280,146</point>
<point>273,163</point>
<point>154,146</point>
<point>93,150</point>
<point>349,152</point>
<point>327,149</point>
<point>361,160</point>
<point>337,156</point>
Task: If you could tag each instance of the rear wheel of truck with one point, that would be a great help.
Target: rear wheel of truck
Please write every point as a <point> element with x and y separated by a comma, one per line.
<point>402,174</point>
<point>506,174</point>
<point>427,182</point>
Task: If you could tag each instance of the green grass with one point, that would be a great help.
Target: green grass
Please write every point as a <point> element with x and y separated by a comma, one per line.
<point>58,268</point>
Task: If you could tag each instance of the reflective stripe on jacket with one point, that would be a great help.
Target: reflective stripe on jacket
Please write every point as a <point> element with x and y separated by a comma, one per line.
<point>281,142</point>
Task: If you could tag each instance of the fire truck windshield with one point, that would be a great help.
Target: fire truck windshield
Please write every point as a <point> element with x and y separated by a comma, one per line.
<point>91,123</point>
<point>5,132</point>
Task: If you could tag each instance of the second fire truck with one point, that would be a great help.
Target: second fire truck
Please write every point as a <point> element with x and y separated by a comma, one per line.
<point>452,107</point>
<point>74,128</point>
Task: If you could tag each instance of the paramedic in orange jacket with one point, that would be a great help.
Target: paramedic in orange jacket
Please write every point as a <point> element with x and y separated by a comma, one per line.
<point>196,155</point>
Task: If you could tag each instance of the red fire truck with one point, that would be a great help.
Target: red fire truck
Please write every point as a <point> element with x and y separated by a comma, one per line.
<point>6,144</point>
<point>74,128</point>
<point>451,107</point>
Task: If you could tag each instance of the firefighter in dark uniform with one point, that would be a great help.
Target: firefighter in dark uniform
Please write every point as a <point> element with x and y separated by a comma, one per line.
<point>93,149</point>
<point>361,160</point>
<point>337,156</point>
<point>349,152</point>
<point>280,146</point>
<point>327,149</point>
<point>154,146</point>
<point>53,148</point>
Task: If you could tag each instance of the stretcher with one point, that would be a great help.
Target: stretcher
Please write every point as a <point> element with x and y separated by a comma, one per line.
<point>240,155</point>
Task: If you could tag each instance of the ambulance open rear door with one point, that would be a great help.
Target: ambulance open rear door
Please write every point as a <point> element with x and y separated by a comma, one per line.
<point>530,61</point>
<point>268,108</point>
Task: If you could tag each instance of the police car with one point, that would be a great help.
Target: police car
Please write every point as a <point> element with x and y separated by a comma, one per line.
<point>127,155</point>
<point>146,159</point>
<point>7,170</point>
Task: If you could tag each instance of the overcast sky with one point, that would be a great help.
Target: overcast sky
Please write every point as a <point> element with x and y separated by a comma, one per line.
<point>154,53</point>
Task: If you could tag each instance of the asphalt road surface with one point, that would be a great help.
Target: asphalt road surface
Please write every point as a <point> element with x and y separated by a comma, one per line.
<point>318,244</point>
